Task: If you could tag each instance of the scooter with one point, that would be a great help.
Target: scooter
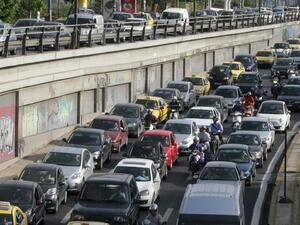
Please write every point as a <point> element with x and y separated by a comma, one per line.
<point>236,120</point>
<point>248,111</point>
<point>195,162</point>
<point>174,114</point>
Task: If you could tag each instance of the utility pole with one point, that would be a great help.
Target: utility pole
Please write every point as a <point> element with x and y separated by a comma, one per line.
<point>194,8</point>
<point>50,10</point>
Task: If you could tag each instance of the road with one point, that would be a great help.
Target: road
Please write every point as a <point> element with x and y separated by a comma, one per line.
<point>173,189</point>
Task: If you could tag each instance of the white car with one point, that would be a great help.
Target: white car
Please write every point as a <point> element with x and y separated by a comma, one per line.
<point>202,115</point>
<point>277,113</point>
<point>184,131</point>
<point>260,126</point>
<point>146,176</point>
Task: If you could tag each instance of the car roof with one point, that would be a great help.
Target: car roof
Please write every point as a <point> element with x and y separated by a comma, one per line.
<point>153,98</point>
<point>179,82</point>
<point>67,149</point>
<point>291,85</point>
<point>220,164</point>
<point>165,89</point>
<point>158,132</point>
<point>180,121</point>
<point>228,87</point>
<point>248,55</point>
<point>236,146</point>
<point>273,101</point>
<point>109,117</point>
<point>243,132</point>
<point>175,10</point>
<point>215,198</point>
<point>249,73</point>
<point>224,66</point>
<point>89,130</point>
<point>203,108</point>
<point>211,96</point>
<point>255,118</point>
<point>116,178</point>
<point>128,105</point>
<point>265,50</point>
<point>232,62</point>
<point>43,166</point>
<point>18,184</point>
<point>135,162</point>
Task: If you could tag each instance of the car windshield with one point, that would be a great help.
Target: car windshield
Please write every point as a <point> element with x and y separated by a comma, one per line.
<point>264,54</point>
<point>281,45</point>
<point>140,174</point>
<point>291,91</point>
<point>211,102</point>
<point>180,87</point>
<point>283,62</point>
<point>295,54</point>
<point>247,78</point>
<point>6,219</point>
<point>16,195</point>
<point>42,177</point>
<point>108,125</point>
<point>140,15</point>
<point>219,173</point>
<point>165,94</point>
<point>71,21</point>
<point>218,69</point>
<point>271,108</point>
<point>194,80</point>
<point>254,126</point>
<point>200,114</point>
<point>293,81</point>
<point>149,104</point>
<point>245,139</point>
<point>243,59</point>
<point>85,138</point>
<point>24,23</point>
<point>164,140</point>
<point>144,151</point>
<point>233,155</point>
<point>104,193</point>
<point>178,128</point>
<point>234,66</point>
<point>226,93</point>
<point>294,42</point>
<point>121,16</point>
<point>125,111</point>
<point>171,15</point>
<point>63,159</point>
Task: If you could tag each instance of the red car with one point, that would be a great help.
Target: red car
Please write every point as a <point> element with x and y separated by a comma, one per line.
<point>167,139</point>
<point>116,128</point>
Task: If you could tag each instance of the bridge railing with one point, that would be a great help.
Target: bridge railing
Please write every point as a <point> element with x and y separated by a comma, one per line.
<point>25,40</point>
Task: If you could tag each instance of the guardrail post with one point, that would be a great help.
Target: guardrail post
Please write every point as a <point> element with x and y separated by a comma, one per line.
<point>217,24</point>
<point>165,29</point>
<point>57,39</point>
<point>184,27</point>
<point>118,35</point>
<point>202,26</point>
<point>209,25</point>
<point>248,21</point>
<point>154,30</point>
<point>41,40</point>
<point>242,21</point>
<point>73,40</point>
<point>224,24</point>
<point>236,24</point>
<point>90,35</point>
<point>299,15</point>
<point>78,37</point>
<point>253,21</point>
<point>268,19</point>
<point>24,41</point>
<point>194,27</point>
<point>104,37</point>
<point>143,32</point>
<point>131,34</point>
<point>6,44</point>
<point>276,19</point>
<point>175,28</point>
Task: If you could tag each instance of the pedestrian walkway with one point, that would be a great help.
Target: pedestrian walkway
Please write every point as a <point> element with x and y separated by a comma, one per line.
<point>287,213</point>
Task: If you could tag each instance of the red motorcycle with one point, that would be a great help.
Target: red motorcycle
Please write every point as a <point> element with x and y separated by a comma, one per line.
<point>248,112</point>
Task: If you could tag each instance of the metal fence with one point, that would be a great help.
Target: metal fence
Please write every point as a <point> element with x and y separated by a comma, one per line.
<point>20,40</point>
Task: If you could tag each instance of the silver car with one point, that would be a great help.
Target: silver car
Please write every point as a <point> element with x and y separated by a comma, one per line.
<point>231,93</point>
<point>77,164</point>
<point>184,130</point>
<point>261,126</point>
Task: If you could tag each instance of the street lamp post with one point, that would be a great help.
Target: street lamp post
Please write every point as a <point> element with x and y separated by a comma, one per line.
<point>194,8</point>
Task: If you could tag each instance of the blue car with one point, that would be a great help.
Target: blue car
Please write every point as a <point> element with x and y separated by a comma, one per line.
<point>248,61</point>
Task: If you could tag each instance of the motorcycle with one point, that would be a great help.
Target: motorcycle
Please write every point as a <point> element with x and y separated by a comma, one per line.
<point>248,112</point>
<point>275,89</point>
<point>236,120</point>
<point>214,143</point>
<point>292,73</point>
<point>173,114</point>
<point>195,161</point>
<point>151,126</point>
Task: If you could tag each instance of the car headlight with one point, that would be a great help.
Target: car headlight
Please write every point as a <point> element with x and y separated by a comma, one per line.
<point>132,124</point>
<point>226,78</point>
<point>51,191</point>
<point>120,219</point>
<point>76,216</point>
<point>76,175</point>
<point>257,154</point>
<point>96,154</point>
<point>144,193</point>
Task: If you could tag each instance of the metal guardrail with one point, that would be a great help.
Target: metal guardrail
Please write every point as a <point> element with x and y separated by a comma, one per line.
<point>54,37</point>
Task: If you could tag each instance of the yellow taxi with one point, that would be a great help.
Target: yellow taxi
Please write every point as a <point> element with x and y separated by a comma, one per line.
<point>200,82</point>
<point>294,43</point>
<point>86,223</point>
<point>236,68</point>
<point>146,16</point>
<point>265,57</point>
<point>12,215</point>
<point>158,106</point>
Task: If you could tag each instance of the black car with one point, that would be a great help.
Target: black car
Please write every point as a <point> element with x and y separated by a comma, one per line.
<point>28,196</point>
<point>108,198</point>
<point>168,94</point>
<point>52,181</point>
<point>150,150</point>
<point>294,80</point>
<point>248,81</point>
<point>95,140</point>
<point>290,94</point>
<point>220,74</point>
<point>134,115</point>
<point>215,101</point>
<point>284,66</point>
<point>248,61</point>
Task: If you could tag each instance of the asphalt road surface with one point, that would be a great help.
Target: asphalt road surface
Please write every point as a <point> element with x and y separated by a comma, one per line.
<point>179,177</point>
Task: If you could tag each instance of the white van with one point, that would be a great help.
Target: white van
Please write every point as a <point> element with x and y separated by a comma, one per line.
<point>212,203</point>
<point>173,14</point>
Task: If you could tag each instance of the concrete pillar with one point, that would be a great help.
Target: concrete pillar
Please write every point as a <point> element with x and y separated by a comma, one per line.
<point>227,4</point>
<point>209,4</point>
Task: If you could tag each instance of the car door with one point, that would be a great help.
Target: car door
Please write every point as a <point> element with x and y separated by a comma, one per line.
<point>156,180</point>
<point>61,185</point>
<point>174,147</point>
<point>87,167</point>
<point>39,203</point>
<point>134,194</point>
<point>124,131</point>
<point>106,145</point>
<point>287,115</point>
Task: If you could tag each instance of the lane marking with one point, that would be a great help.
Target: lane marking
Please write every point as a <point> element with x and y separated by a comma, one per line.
<point>67,217</point>
<point>264,183</point>
<point>167,214</point>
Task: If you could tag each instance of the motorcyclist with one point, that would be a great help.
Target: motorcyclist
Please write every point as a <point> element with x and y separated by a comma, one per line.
<point>238,107</point>
<point>276,88</point>
<point>260,91</point>
<point>217,128</point>
<point>174,104</point>
<point>248,100</point>
<point>205,140</point>
<point>149,118</point>
<point>154,217</point>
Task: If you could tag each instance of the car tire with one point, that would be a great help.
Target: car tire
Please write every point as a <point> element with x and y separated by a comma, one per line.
<point>65,198</point>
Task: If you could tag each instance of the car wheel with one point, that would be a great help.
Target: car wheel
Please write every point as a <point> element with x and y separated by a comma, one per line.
<point>65,198</point>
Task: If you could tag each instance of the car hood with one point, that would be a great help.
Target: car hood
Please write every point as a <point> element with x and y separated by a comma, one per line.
<point>244,166</point>
<point>182,137</point>
<point>254,148</point>
<point>69,170</point>
<point>45,187</point>
<point>91,148</point>
<point>92,209</point>
<point>229,101</point>
<point>131,120</point>
<point>202,122</point>
<point>142,186</point>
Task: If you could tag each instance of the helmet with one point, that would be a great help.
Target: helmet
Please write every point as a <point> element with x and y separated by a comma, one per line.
<point>175,98</point>
<point>146,222</point>
<point>248,93</point>
<point>215,118</point>
<point>153,207</point>
<point>196,139</point>
<point>260,85</point>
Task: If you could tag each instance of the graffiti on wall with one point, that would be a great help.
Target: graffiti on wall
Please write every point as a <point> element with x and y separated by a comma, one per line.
<point>7,127</point>
<point>49,115</point>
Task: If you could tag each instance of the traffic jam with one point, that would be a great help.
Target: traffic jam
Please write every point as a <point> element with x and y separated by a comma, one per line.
<point>223,123</point>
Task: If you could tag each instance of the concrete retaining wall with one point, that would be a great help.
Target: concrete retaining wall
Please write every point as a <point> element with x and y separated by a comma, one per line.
<point>55,91</point>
